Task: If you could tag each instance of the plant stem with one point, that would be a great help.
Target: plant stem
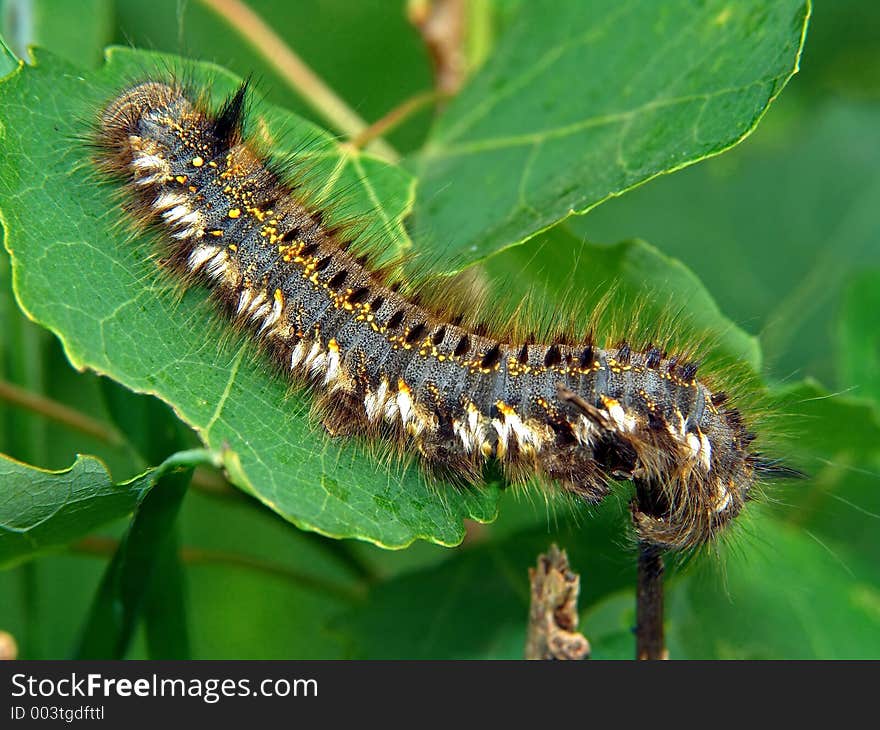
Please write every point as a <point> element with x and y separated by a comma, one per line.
<point>649,604</point>
<point>95,545</point>
<point>395,117</point>
<point>441,24</point>
<point>296,72</point>
<point>58,412</point>
<point>214,486</point>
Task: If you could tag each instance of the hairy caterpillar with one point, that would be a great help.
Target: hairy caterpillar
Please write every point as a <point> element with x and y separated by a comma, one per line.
<point>384,364</point>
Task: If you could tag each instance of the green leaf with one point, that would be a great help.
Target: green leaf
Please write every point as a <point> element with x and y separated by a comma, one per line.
<point>165,611</point>
<point>647,289</point>
<point>583,100</point>
<point>475,605</point>
<point>42,510</point>
<point>77,273</point>
<point>8,60</point>
<point>764,231</point>
<point>835,440</point>
<point>859,336</point>
<point>48,24</point>
<point>785,596</point>
<point>134,573</point>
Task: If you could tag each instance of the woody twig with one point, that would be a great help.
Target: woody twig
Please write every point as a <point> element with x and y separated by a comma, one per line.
<point>553,617</point>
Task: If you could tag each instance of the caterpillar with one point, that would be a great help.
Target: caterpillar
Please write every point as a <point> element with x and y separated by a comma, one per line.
<point>384,364</point>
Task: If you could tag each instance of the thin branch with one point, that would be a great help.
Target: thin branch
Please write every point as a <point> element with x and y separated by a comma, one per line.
<point>649,604</point>
<point>95,545</point>
<point>441,24</point>
<point>553,616</point>
<point>58,412</point>
<point>214,485</point>
<point>395,117</point>
<point>296,72</point>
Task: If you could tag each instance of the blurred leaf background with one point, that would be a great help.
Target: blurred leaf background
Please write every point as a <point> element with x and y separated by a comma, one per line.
<point>782,231</point>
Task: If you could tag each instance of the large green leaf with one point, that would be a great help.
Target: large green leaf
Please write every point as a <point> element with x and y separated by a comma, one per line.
<point>784,595</point>
<point>835,439</point>
<point>475,605</point>
<point>41,510</point>
<point>764,231</point>
<point>135,578</point>
<point>743,603</point>
<point>583,100</point>
<point>48,24</point>
<point>77,273</point>
<point>639,288</point>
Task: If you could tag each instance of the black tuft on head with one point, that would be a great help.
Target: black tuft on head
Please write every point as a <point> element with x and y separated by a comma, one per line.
<point>227,125</point>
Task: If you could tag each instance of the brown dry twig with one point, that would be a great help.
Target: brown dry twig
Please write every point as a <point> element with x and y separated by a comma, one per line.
<point>442,24</point>
<point>553,616</point>
<point>298,75</point>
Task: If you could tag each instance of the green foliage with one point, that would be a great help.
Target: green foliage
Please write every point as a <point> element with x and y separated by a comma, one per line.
<point>581,101</point>
<point>117,317</point>
<point>42,510</point>
<point>575,103</point>
<point>145,568</point>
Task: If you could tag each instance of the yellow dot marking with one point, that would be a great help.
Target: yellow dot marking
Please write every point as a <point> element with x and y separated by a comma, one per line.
<point>609,403</point>
<point>216,233</point>
<point>333,345</point>
<point>504,408</point>
<point>197,162</point>
<point>234,212</point>
<point>181,179</point>
<point>279,297</point>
